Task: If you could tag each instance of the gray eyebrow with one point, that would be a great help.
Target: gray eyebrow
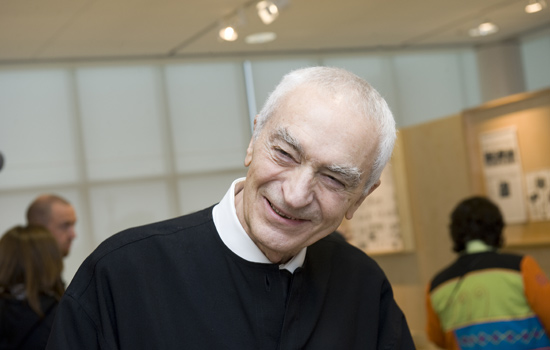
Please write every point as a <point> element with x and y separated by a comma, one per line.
<point>283,134</point>
<point>351,175</point>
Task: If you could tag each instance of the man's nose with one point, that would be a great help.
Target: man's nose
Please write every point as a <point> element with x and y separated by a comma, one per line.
<point>72,233</point>
<point>298,187</point>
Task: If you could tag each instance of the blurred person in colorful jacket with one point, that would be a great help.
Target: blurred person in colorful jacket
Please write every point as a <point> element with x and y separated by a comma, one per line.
<point>487,299</point>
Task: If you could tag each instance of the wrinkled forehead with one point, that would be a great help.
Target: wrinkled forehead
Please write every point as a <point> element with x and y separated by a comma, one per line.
<point>344,102</point>
<point>327,117</point>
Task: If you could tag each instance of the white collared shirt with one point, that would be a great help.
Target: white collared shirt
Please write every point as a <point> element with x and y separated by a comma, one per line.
<point>235,237</point>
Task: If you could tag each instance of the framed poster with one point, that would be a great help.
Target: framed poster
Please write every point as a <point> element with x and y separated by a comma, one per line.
<point>538,194</point>
<point>503,173</point>
<point>382,224</point>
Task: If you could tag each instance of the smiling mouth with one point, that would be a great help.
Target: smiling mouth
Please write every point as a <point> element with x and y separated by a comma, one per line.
<point>283,215</point>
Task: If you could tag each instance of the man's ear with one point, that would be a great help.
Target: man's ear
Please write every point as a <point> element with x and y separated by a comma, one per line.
<point>357,204</point>
<point>249,150</point>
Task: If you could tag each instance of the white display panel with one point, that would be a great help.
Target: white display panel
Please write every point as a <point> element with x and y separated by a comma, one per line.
<point>201,191</point>
<point>503,173</point>
<point>537,185</point>
<point>429,86</point>
<point>469,78</point>
<point>122,118</point>
<point>13,208</point>
<point>123,205</point>
<point>208,110</point>
<point>376,225</point>
<point>37,135</point>
<point>535,53</point>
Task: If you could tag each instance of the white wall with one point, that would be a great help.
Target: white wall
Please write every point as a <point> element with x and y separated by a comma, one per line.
<point>535,50</point>
<point>129,144</point>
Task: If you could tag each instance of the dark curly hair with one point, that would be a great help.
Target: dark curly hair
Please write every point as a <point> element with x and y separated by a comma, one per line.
<point>476,218</point>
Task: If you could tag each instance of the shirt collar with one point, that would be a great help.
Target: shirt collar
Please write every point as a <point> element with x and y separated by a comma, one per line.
<point>235,237</point>
<point>477,246</point>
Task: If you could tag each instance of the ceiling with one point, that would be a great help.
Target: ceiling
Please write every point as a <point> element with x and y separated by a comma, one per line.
<point>60,30</point>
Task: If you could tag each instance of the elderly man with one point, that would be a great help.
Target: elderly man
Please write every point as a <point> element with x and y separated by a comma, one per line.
<point>259,270</point>
<point>57,215</point>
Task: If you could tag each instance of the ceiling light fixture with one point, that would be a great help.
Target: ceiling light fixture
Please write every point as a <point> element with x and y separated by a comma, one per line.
<point>535,6</point>
<point>228,26</point>
<point>260,38</point>
<point>485,28</point>
<point>228,33</point>
<point>267,10</point>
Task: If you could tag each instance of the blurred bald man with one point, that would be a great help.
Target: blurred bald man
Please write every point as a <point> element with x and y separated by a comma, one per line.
<point>57,215</point>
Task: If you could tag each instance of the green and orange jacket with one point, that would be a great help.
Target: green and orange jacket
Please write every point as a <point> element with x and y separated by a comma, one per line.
<point>489,300</point>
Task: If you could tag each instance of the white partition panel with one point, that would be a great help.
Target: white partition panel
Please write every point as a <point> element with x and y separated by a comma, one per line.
<point>13,208</point>
<point>429,85</point>
<point>120,206</point>
<point>208,109</point>
<point>268,73</point>
<point>36,130</point>
<point>200,191</point>
<point>470,81</point>
<point>121,109</point>
<point>535,54</point>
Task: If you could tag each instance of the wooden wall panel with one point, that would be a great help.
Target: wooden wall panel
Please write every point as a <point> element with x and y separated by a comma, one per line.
<point>529,113</point>
<point>435,166</point>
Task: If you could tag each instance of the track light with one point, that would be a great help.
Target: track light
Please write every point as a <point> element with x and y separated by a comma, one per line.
<point>260,38</point>
<point>535,6</point>
<point>485,28</point>
<point>228,26</point>
<point>228,34</point>
<point>268,11</point>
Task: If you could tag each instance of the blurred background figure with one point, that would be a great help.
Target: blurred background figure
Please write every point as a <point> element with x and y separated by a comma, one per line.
<point>30,287</point>
<point>487,299</point>
<point>58,216</point>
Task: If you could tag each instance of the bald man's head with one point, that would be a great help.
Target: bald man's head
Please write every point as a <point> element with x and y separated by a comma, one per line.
<point>57,215</point>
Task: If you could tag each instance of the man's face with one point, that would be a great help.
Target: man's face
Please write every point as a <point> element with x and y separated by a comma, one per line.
<point>307,170</point>
<point>61,225</point>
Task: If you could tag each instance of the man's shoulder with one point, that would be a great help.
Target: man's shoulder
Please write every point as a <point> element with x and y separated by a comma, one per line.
<point>138,244</point>
<point>157,230</point>
<point>477,262</point>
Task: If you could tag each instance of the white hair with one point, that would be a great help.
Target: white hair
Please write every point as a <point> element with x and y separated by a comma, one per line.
<point>362,96</point>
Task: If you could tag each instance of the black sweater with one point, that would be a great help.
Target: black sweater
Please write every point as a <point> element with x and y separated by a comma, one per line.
<point>21,328</point>
<point>175,285</point>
